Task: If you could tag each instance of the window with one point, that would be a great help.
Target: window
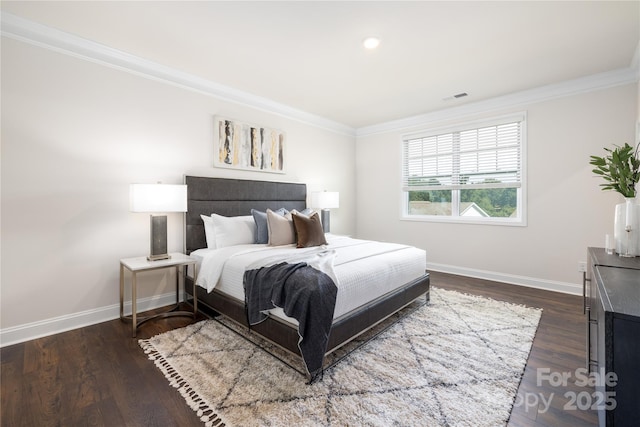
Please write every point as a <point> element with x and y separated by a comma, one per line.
<point>470,173</point>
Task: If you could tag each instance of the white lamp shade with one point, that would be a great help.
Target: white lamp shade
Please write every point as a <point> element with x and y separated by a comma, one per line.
<point>325,199</point>
<point>157,198</point>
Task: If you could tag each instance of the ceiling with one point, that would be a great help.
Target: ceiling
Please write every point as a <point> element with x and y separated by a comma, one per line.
<point>309,55</point>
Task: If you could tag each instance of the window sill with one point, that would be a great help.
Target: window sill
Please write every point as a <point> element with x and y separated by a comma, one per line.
<point>508,222</point>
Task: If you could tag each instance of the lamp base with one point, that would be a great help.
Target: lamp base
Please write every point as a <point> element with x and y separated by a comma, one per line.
<point>325,217</point>
<point>158,250</point>
<point>158,257</point>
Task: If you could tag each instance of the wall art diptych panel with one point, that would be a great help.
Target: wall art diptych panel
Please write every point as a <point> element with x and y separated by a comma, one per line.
<point>245,146</point>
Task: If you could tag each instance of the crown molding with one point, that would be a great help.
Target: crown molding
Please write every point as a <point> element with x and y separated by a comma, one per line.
<point>46,37</point>
<point>515,100</point>
<point>27,31</point>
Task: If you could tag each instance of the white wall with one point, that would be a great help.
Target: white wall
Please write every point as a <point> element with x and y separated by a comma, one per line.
<point>75,134</point>
<point>566,209</point>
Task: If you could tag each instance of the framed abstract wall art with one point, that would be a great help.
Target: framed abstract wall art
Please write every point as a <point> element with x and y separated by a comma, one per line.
<point>245,146</point>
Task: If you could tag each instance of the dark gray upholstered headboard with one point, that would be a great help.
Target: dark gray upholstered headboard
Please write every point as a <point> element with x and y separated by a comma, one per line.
<point>233,197</point>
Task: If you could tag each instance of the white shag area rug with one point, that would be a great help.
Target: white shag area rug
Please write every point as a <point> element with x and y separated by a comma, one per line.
<point>456,361</point>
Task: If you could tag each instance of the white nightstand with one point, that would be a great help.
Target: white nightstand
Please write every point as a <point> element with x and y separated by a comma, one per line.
<point>140,264</point>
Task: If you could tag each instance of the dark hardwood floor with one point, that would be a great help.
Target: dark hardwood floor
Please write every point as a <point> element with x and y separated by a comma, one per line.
<point>98,375</point>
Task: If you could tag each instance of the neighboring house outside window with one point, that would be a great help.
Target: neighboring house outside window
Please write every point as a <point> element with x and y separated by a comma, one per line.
<point>474,172</point>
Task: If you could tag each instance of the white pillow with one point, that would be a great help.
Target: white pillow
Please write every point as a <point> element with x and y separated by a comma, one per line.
<point>235,230</point>
<point>209,232</point>
<point>281,231</point>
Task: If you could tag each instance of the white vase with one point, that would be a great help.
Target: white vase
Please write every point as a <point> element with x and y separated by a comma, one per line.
<point>627,228</point>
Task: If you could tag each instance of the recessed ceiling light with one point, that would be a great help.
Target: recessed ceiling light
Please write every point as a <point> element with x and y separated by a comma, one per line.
<point>371,42</point>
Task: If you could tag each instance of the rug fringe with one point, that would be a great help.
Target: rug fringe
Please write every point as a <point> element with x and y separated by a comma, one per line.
<point>202,409</point>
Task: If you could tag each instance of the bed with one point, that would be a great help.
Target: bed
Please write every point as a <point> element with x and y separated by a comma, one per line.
<point>233,198</point>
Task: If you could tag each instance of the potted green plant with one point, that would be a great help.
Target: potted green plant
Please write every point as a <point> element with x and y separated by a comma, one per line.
<point>621,171</point>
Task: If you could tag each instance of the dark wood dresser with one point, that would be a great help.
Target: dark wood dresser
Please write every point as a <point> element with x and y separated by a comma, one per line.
<point>612,306</point>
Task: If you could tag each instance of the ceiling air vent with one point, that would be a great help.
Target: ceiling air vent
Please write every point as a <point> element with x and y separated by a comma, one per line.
<point>457,96</point>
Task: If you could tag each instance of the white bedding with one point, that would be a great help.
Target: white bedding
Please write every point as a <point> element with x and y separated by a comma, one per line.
<point>365,270</point>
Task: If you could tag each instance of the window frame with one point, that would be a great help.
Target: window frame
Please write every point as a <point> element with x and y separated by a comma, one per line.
<point>520,220</point>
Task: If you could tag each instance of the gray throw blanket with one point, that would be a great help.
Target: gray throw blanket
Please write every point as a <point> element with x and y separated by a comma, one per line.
<point>305,294</point>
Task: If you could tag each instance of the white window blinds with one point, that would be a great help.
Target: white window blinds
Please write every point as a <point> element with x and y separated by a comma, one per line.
<point>488,156</point>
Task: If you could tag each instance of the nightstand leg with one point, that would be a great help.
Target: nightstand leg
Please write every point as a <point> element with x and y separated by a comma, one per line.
<point>121,291</point>
<point>177,284</point>
<point>134,307</point>
<point>195,295</point>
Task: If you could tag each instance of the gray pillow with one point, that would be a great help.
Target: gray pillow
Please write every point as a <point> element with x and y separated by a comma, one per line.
<point>262,229</point>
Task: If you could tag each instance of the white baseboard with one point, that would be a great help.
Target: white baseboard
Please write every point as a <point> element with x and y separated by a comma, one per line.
<point>531,282</point>
<point>55,325</point>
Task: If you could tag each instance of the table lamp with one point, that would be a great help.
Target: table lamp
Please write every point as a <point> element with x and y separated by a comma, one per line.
<point>158,199</point>
<point>325,200</point>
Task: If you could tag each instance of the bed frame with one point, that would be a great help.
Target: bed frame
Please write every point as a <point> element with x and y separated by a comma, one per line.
<point>232,197</point>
